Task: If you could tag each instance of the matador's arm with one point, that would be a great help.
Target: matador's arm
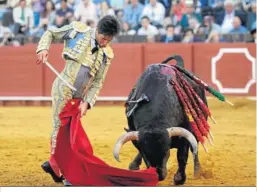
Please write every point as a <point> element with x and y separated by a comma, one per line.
<point>53,34</point>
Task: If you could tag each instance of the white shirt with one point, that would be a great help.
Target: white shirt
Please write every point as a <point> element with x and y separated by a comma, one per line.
<point>227,24</point>
<point>86,13</point>
<point>156,13</point>
<point>29,17</point>
<point>4,31</point>
<point>151,30</point>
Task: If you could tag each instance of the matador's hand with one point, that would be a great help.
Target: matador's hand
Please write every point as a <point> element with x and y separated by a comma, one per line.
<point>42,57</point>
<point>83,108</point>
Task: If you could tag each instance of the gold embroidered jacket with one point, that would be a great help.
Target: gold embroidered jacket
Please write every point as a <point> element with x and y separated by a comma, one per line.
<point>77,46</point>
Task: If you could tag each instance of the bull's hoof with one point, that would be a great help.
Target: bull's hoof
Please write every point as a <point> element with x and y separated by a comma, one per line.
<point>133,166</point>
<point>179,178</point>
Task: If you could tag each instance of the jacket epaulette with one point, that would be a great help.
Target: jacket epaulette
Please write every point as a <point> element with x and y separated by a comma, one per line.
<point>80,27</point>
<point>108,51</point>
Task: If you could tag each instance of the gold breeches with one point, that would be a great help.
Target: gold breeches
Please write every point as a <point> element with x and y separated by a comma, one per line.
<point>61,94</point>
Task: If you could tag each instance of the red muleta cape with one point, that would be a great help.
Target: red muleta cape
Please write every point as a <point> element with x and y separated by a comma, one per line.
<point>76,161</point>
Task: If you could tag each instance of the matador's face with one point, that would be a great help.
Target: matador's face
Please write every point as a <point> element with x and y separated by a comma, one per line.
<point>102,39</point>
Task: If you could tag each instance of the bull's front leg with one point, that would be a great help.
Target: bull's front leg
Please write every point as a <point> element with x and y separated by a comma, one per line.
<point>134,165</point>
<point>182,156</point>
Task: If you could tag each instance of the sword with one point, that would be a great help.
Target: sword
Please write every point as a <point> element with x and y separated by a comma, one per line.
<point>59,76</point>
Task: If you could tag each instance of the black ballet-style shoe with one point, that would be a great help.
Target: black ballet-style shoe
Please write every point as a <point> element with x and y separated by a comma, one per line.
<point>48,169</point>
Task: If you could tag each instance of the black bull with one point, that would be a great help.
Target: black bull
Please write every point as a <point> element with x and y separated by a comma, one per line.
<point>157,123</point>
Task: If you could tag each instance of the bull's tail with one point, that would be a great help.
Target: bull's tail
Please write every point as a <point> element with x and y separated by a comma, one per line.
<point>178,58</point>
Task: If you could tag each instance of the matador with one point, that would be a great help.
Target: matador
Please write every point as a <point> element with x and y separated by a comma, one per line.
<point>88,55</point>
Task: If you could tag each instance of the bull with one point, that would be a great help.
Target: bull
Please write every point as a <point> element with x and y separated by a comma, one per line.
<point>157,123</point>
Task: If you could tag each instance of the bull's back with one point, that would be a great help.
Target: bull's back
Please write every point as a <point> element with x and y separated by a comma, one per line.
<point>164,109</point>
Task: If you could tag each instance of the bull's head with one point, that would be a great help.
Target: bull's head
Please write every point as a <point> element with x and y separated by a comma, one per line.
<point>155,146</point>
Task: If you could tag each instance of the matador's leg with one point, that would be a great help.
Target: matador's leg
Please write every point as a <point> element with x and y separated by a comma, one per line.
<point>76,75</point>
<point>61,94</point>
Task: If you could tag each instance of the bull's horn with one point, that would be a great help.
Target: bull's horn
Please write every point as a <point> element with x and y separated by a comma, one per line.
<point>179,131</point>
<point>130,136</point>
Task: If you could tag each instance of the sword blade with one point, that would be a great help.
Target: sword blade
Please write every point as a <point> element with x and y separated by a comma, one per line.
<point>59,76</point>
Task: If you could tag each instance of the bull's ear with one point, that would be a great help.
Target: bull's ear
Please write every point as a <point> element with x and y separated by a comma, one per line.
<point>126,129</point>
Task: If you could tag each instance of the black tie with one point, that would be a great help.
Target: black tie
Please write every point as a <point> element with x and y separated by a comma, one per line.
<point>95,48</point>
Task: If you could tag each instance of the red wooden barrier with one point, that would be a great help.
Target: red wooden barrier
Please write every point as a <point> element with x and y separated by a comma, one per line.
<point>124,71</point>
<point>20,76</point>
<point>227,67</point>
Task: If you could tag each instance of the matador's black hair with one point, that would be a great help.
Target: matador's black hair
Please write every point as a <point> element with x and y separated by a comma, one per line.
<point>108,25</point>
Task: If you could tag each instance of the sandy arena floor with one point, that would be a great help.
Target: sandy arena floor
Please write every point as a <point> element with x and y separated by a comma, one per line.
<point>25,133</point>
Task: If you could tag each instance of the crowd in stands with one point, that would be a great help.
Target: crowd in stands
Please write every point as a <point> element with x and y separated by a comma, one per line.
<point>164,21</point>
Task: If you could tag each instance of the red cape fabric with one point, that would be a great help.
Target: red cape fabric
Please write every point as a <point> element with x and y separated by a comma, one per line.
<point>75,159</point>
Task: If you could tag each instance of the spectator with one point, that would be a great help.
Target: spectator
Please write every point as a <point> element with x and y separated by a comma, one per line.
<point>106,9</point>
<point>126,29</point>
<point>214,37</point>
<point>251,15</point>
<point>64,15</point>
<point>103,8</point>
<point>46,19</point>
<point>120,17</point>
<point>70,3</point>
<point>3,7</point>
<point>48,14</point>
<point>177,11</point>
<point>37,7</point>
<point>253,33</point>
<point>117,5</point>
<point>144,2</point>
<point>225,18</point>
<point>205,3</point>
<point>188,36</point>
<point>190,13</point>
<point>7,37</point>
<point>237,26</point>
<point>5,32</point>
<point>91,23</point>
<point>246,4</point>
<point>23,18</point>
<point>167,5</point>
<point>150,39</point>
<point>177,30</point>
<point>73,3</point>
<point>193,24</point>
<point>201,34</point>
<point>167,21</point>
<point>208,21</point>
<point>7,19</point>
<point>170,37</point>
<point>132,13</point>
<point>86,10</point>
<point>155,11</point>
<point>217,4</point>
<point>207,12</point>
<point>147,28</point>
